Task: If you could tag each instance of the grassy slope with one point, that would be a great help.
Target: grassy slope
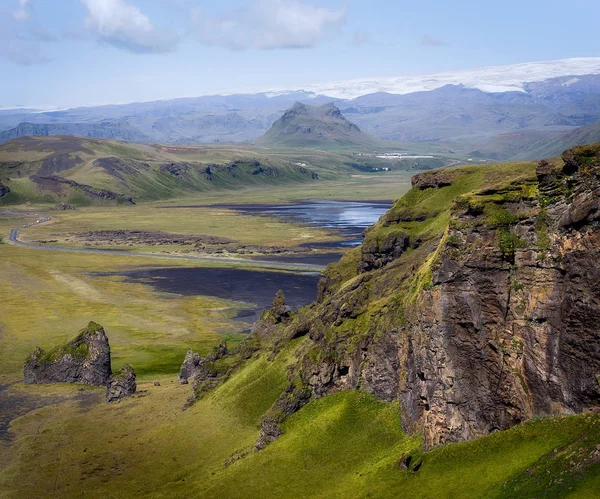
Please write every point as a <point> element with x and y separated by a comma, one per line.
<point>347,444</point>
<point>147,184</point>
<point>588,134</point>
<point>46,298</point>
<point>140,175</point>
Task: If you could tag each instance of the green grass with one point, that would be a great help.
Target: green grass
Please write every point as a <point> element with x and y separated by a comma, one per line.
<point>137,169</point>
<point>254,230</point>
<point>45,298</point>
<point>345,444</point>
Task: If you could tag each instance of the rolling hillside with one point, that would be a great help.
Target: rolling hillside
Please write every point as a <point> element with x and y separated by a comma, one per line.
<point>588,134</point>
<point>83,171</point>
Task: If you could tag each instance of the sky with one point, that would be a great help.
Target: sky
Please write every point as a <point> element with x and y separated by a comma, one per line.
<point>64,53</point>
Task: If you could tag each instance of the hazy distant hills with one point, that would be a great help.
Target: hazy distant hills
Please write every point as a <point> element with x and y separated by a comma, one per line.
<point>104,130</point>
<point>494,113</point>
<point>547,148</point>
<point>315,126</point>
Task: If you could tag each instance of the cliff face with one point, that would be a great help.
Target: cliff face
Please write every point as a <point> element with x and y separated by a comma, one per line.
<point>510,328</point>
<point>4,190</point>
<point>474,303</point>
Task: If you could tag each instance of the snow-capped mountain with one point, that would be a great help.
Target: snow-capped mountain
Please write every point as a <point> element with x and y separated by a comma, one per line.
<point>512,78</point>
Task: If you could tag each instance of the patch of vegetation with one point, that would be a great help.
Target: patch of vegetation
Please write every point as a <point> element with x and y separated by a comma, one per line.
<point>508,243</point>
<point>76,348</point>
<point>499,217</point>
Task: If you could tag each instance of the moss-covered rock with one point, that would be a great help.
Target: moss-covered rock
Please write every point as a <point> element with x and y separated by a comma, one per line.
<point>84,359</point>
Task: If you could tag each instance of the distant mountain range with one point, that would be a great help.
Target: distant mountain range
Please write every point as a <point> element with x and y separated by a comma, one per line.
<point>495,113</point>
<point>103,130</point>
<point>312,126</point>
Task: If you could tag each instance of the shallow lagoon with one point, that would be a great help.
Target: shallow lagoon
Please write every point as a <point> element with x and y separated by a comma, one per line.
<point>257,288</point>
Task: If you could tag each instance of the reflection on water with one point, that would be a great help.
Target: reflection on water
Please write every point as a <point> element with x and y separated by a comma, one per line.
<point>349,218</point>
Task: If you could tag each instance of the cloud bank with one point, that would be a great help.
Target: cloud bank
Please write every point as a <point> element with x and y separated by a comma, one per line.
<point>269,24</point>
<point>123,25</point>
<point>22,13</point>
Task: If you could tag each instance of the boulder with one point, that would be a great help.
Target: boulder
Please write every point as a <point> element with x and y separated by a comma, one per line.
<point>84,359</point>
<point>121,385</point>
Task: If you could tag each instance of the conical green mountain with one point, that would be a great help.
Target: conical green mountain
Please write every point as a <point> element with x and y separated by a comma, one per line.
<point>315,126</point>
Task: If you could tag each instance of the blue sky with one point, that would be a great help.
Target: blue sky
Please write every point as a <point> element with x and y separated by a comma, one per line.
<point>58,53</point>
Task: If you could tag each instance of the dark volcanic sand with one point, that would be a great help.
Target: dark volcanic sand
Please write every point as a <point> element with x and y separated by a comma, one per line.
<point>250,286</point>
<point>15,403</point>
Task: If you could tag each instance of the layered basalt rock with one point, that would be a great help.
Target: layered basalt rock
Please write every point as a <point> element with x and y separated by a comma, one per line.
<point>85,359</point>
<point>205,373</point>
<point>378,253</point>
<point>510,328</point>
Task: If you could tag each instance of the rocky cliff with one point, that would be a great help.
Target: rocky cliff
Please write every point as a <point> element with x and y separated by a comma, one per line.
<point>85,359</point>
<point>474,303</point>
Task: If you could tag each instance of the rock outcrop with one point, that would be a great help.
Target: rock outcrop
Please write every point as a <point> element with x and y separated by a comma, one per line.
<point>62,206</point>
<point>205,373</point>
<point>85,359</point>
<point>376,254</point>
<point>121,385</point>
<point>55,182</point>
<point>474,303</point>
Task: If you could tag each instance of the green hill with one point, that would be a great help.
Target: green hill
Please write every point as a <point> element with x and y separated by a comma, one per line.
<point>549,148</point>
<point>319,127</point>
<point>81,170</point>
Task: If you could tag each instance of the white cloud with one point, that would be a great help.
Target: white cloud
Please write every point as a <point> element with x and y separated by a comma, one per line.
<point>269,24</point>
<point>22,13</point>
<point>127,27</point>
